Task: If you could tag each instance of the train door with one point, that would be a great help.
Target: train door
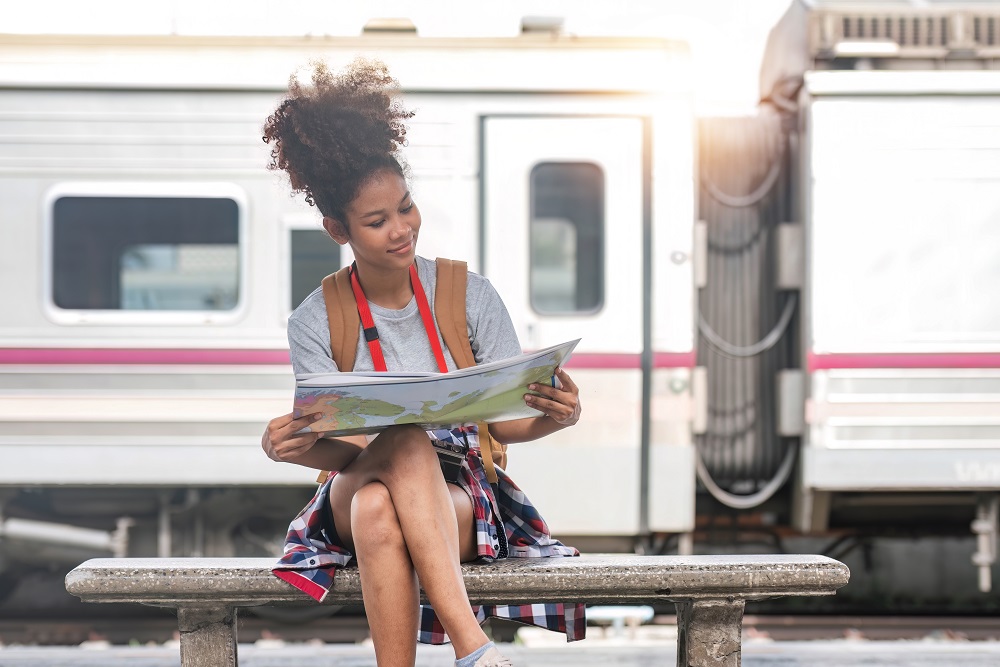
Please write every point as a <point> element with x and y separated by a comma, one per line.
<point>562,243</point>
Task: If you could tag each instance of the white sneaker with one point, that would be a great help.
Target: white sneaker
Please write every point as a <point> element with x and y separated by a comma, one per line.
<point>493,658</point>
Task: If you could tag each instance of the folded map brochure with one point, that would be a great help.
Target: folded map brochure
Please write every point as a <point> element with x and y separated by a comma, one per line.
<point>367,402</point>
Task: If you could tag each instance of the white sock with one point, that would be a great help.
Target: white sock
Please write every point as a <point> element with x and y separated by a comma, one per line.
<point>470,660</point>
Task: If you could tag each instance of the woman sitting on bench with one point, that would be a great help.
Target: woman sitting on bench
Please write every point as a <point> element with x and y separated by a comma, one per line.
<point>387,503</point>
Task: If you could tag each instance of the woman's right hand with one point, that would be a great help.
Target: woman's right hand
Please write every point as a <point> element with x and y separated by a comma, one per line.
<point>283,442</point>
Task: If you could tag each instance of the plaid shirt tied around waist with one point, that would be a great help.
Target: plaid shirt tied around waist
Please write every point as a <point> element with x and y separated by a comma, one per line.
<point>507,526</point>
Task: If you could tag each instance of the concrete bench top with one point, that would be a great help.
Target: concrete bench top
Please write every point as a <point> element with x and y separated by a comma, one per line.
<point>709,592</point>
<point>597,579</point>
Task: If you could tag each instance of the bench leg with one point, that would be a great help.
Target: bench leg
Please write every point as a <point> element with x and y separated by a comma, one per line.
<point>208,636</point>
<point>708,633</point>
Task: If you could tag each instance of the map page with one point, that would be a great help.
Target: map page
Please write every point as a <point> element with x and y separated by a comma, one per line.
<point>353,403</point>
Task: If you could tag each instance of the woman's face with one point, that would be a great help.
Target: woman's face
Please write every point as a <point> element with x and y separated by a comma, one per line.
<point>382,223</point>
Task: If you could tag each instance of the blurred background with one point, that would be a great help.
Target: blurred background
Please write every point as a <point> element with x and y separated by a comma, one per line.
<point>775,226</point>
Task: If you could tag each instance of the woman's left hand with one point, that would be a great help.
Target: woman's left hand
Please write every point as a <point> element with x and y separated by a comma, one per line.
<point>560,404</point>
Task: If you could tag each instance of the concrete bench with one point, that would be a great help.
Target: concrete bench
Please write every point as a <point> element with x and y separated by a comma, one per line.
<point>708,591</point>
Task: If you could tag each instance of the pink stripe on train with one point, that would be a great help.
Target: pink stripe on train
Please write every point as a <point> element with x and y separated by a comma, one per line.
<point>822,362</point>
<point>130,356</point>
<point>230,357</point>
<point>258,357</point>
<point>621,360</point>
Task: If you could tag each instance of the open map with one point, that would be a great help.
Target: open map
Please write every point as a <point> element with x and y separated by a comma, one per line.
<point>353,403</point>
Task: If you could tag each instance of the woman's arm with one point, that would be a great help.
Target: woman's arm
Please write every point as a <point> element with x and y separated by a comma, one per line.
<point>523,430</point>
<point>283,442</point>
<point>560,405</point>
<point>309,348</point>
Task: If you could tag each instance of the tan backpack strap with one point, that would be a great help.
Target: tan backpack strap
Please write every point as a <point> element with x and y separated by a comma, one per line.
<point>342,316</point>
<point>449,309</point>
<point>486,450</point>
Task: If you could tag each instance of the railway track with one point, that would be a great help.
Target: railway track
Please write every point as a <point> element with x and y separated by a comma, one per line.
<point>803,627</point>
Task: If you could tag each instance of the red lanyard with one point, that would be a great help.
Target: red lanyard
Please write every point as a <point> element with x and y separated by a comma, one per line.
<point>371,333</point>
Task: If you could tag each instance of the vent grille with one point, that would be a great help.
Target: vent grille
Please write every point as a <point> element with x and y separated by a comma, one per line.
<point>984,30</point>
<point>924,33</point>
<point>905,31</point>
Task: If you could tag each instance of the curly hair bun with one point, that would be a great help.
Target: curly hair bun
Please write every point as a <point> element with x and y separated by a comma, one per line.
<point>331,135</point>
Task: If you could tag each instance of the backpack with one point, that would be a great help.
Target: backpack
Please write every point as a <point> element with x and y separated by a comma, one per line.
<point>449,311</point>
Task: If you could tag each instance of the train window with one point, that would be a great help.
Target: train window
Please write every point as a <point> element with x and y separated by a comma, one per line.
<point>566,238</point>
<point>314,256</point>
<point>139,253</point>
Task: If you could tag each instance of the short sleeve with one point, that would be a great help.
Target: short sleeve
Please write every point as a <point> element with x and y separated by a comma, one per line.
<point>309,349</point>
<point>491,330</point>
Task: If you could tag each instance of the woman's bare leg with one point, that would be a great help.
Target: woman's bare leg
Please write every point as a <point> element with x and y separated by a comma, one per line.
<point>429,516</point>
<point>389,583</point>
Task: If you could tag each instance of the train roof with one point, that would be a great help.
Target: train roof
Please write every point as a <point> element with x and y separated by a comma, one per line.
<point>531,62</point>
<point>884,35</point>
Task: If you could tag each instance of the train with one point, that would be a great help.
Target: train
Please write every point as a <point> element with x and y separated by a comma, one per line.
<point>789,320</point>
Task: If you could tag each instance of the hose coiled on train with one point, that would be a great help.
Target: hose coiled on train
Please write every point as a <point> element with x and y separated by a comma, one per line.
<point>741,459</point>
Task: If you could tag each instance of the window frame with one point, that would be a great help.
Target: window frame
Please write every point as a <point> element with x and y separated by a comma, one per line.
<point>207,190</point>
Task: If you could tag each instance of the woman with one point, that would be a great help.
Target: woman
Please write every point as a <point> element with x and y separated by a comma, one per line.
<point>387,503</point>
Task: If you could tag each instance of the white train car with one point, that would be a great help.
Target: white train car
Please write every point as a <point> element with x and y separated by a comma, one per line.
<point>900,167</point>
<point>149,263</point>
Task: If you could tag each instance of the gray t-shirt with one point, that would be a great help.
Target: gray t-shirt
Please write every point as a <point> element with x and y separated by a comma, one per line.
<point>401,332</point>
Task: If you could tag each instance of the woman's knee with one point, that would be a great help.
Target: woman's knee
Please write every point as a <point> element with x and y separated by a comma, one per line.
<point>373,514</point>
<point>404,449</point>
<point>403,435</point>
